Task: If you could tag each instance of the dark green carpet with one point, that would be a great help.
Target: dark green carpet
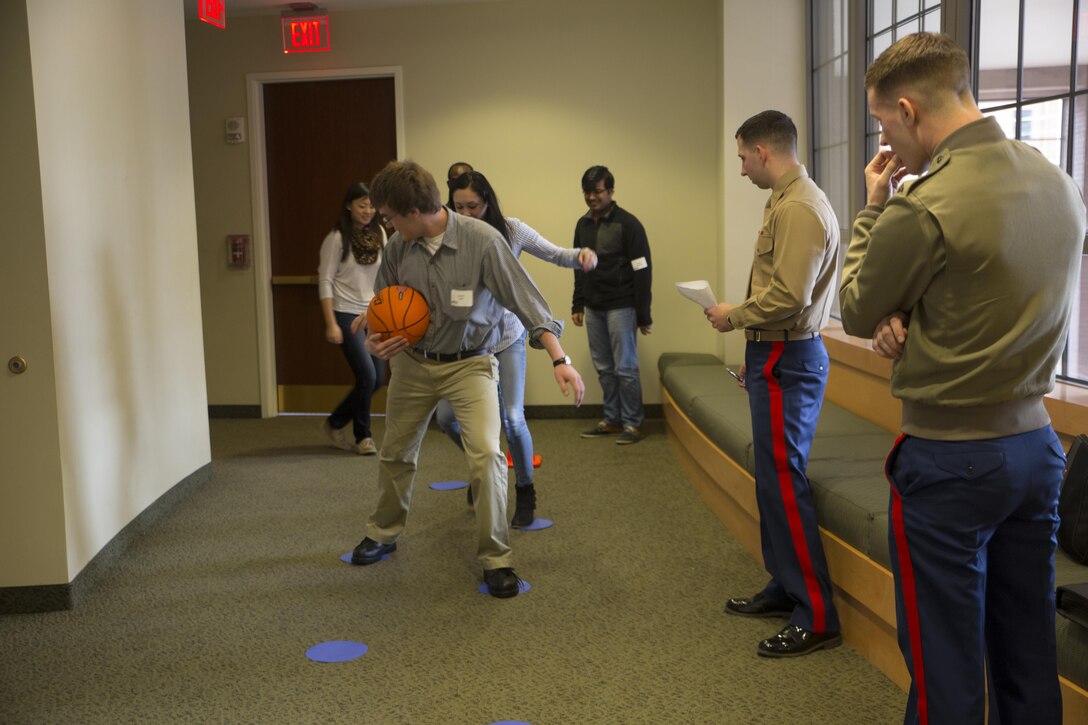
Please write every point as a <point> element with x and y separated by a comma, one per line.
<point>207,618</point>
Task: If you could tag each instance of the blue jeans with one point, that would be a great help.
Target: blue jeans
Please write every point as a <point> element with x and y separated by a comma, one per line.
<point>512,409</point>
<point>613,346</point>
<point>368,373</point>
<point>972,534</point>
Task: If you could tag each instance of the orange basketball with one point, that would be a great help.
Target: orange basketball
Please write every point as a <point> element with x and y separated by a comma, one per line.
<point>398,311</point>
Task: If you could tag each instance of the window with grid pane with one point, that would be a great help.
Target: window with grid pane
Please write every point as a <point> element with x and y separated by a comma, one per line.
<point>831,111</point>
<point>1032,67</point>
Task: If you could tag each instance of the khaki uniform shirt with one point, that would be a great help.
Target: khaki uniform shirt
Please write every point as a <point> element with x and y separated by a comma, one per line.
<point>793,273</point>
<point>983,253</point>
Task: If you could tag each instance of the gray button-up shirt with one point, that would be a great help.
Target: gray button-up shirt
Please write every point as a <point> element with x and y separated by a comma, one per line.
<point>467,283</point>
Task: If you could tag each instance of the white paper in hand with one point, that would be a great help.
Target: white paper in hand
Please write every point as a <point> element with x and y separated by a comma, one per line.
<point>698,291</point>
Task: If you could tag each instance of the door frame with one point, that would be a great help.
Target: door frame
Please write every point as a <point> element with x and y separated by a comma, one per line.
<point>258,176</point>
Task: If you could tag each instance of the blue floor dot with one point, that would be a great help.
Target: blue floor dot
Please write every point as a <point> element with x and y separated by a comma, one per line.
<point>523,587</point>
<point>336,651</point>
<point>346,558</point>
<point>537,525</point>
<point>448,485</point>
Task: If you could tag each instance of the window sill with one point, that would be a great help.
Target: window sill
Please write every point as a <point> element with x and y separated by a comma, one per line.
<point>1067,403</point>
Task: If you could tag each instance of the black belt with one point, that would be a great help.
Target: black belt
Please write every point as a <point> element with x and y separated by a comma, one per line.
<point>778,335</point>
<point>448,356</point>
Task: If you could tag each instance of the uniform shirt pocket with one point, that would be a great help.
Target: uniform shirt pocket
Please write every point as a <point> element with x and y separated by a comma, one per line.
<point>763,264</point>
<point>764,244</point>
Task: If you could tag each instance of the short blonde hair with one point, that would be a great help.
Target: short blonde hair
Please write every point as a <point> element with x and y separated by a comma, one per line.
<point>931,63</point>
<point>403,186</point>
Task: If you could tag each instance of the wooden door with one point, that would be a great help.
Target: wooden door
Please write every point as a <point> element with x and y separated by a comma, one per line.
<point>320,137</point>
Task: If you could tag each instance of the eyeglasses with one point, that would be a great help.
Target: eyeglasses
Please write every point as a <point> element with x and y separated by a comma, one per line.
<point>594,192</point>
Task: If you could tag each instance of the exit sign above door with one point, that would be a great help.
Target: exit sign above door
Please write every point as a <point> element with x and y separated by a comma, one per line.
<point>214,12</point>
<point>305,33</point>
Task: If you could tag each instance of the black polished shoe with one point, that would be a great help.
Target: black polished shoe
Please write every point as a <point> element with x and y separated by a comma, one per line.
<point>371,552</point>
<point>757,606</point>
<point>794,641</point>
<point>502,583</point>
<point>525,508</point>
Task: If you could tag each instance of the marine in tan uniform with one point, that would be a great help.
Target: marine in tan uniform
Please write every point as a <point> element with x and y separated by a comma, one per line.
<point>966,278</point>
<point>785,373</point>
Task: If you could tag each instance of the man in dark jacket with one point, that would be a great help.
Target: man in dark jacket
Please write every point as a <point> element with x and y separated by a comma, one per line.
<point>613,301</point>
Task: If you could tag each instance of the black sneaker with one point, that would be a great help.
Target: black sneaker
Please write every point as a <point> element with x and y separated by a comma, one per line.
<point>602,430</point>
<point>630,435</point>
<point>502,583</point>
<point>371,552</point>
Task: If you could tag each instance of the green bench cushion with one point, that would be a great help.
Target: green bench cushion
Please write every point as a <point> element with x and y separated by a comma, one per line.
<point>671,359</point>
<point>1072,637</point>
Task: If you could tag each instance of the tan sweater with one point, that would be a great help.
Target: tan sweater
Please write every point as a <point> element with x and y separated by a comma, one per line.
<point>983,253</point>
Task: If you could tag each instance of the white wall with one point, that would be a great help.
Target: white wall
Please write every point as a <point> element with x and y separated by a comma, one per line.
<point>111,104</point>
<point>530,92</point>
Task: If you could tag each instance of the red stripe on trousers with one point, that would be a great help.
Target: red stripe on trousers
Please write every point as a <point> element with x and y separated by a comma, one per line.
<point>910,598</point>
<point>785,485</point>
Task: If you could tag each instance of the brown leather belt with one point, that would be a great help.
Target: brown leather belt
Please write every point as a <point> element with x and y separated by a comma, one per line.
<point>778,335</point>
<point>448,356</point>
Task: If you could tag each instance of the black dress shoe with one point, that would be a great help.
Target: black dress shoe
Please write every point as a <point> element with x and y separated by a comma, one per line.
<point>371,552</point>
<point>794,641</point>
<point>502,583</point>
<point>758,606</point>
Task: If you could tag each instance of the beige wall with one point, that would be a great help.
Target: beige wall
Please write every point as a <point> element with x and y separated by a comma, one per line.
<point>31,503</point>
<point>532,93</point>
<point>113,223</point>
<point>765,67</point>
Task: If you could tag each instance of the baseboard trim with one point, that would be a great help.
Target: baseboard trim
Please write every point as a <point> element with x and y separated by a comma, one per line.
<point>595,412</point>
<point>59,597</point>
<point>234,411</point>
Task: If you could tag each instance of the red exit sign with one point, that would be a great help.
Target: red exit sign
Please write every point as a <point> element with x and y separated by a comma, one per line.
<point>306,34</point>
<point>214,12</point>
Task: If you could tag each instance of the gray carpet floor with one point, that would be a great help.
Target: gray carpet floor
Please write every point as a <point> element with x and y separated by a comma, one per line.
<point>207,618</point>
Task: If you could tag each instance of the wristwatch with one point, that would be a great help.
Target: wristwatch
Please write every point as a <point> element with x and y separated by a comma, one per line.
<point>565,360</point>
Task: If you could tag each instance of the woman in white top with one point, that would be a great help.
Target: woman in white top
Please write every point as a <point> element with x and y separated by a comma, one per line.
<point>350,257</point>
<point>473,196</point>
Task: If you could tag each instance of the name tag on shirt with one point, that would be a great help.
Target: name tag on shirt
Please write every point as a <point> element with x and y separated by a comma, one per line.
<point>640,263</point>
<point>461,297</point>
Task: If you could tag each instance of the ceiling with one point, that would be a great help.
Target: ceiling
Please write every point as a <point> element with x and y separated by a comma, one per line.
<point>274,7</point>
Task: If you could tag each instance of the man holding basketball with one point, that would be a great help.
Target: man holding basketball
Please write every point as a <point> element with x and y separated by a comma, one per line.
<point>785,372</point>
<point>467,273</point>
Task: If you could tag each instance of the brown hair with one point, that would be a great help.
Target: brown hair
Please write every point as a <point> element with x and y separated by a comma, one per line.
<point>403,186</point>
<point>771,128</point>
<point>931,63</point>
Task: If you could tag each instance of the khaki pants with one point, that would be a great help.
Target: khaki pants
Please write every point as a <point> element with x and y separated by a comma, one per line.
<point>471,387</point>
